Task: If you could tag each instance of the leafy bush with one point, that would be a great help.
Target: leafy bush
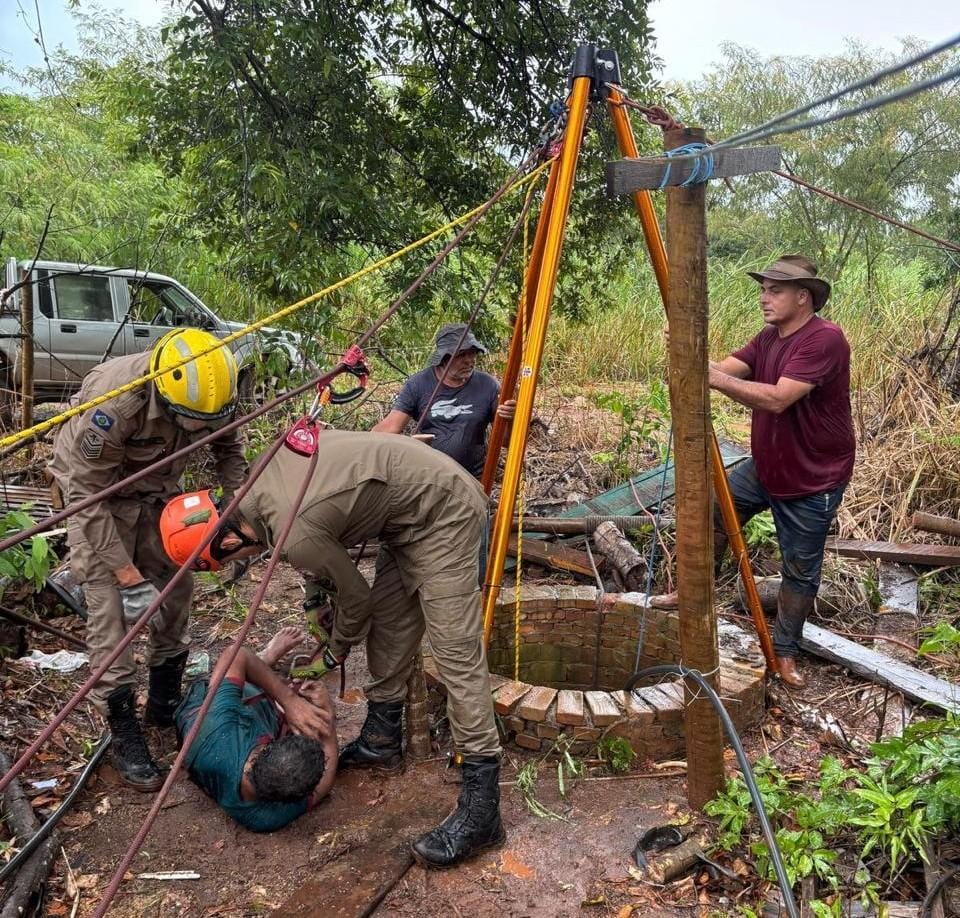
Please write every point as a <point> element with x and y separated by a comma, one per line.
<point>30,561</point>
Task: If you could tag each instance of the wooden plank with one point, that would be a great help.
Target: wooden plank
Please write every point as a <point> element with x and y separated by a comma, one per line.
<point>558,557</point>
<point>506,697</point>
<point>901,552</point>
<point>603,709</point>
<point>625,176</point>
<point>570,708</point>
<point>881,668</point>
<point>36,501</point>
<point>536,703</point>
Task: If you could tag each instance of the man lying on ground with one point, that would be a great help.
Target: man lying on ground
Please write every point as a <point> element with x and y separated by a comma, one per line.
<point>263,765</point>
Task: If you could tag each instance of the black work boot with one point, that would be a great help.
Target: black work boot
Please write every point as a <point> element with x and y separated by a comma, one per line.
<point>129,750</point>
<point>473,826</point>
<point>793,609</point>
<point>164,695</point>
<point>380,743</point>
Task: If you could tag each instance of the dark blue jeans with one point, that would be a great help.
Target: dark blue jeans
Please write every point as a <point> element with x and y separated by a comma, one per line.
<point>803,524</point>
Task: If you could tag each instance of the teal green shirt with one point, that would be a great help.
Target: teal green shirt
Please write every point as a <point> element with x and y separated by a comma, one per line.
<point>240,718</point>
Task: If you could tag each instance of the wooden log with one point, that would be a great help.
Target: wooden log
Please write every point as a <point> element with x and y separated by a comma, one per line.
<point>558,557</point>
<point>931,523</point>
<point>901,552</point>
<point>881,668</point>
<point>584,525</point>
<point>22,823</point>
<point>829,602</point>
<point>675,862</point>
<point>619,552</point>
<point>690,409</point>
<point>624,176</point>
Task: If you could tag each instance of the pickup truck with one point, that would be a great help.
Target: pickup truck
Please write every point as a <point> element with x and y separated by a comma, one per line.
<point>84,314</point>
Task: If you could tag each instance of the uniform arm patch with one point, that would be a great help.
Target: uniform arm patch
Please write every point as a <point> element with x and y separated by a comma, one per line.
<point>91,445</point>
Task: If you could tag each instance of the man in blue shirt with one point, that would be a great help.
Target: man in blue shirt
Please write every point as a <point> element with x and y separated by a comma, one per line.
<point>245,757</point>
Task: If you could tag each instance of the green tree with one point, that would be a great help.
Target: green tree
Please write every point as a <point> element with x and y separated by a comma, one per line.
<point>899,159</point>
<point>312,134</point>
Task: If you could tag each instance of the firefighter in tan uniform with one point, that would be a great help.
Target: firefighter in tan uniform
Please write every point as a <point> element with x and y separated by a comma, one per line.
<point>115,546</point>
<point>427,512</point>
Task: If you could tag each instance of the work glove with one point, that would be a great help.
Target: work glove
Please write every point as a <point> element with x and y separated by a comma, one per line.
<point>319,666</point>
<point>136,600</point>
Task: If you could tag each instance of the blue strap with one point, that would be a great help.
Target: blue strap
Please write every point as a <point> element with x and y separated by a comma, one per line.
<point>701,169</point>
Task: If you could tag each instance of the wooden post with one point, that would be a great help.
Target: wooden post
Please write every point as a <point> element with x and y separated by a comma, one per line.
<point>26,353</point>
<point>418,722</point>
<point>690,407</point>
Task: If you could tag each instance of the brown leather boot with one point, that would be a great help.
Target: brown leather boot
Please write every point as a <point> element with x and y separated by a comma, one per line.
<point>788,672</point>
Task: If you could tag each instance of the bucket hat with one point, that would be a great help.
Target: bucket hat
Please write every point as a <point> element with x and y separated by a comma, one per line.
<point>797,269</point>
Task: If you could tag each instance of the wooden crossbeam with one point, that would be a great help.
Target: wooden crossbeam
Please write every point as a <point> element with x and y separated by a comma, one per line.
<point>626,176</point>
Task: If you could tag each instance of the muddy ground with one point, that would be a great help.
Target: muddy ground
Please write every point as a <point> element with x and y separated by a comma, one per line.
<point>349,853</point>
<point>338,859</point>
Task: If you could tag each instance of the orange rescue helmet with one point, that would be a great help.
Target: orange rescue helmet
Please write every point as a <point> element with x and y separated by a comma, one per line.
<point>184,522</point>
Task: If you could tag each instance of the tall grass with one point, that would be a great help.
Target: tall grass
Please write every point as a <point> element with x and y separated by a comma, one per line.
<point>623,339</point>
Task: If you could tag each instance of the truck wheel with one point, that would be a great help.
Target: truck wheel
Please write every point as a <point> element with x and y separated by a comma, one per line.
<point>246,390</point>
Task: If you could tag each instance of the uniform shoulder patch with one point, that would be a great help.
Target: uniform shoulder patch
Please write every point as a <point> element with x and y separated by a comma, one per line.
<point>91,444</point>
<point>101,419</point>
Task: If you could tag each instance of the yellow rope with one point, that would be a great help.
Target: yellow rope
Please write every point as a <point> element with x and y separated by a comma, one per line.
<point>50,423</point>
<point>522,317</point>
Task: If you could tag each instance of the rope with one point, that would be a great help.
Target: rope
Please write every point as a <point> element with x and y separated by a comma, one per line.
<point>521,490</point>
<point>652,560</point>
<point>508,247</point>
<point>472,215</point>
<point>848,202</point>
<point>141,622</point>
<point>701,168</point>
<point>871,80</point>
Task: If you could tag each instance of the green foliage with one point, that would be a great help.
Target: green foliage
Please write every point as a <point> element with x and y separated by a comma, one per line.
<point>907,792</point>
<point>641,419</point>
<point>31,560</point>
<point>760,532</point>
<point>617,753</point>
<point>569,768</point>
<point>943,637</point>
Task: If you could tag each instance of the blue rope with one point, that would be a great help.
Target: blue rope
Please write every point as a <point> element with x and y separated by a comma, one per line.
<point>651,562</point>
<point>701,169</point>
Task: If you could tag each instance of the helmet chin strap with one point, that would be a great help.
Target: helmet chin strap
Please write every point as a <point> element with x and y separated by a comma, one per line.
<point>220,553</point>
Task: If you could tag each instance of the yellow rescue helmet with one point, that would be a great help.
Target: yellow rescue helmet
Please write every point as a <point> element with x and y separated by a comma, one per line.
<point>204,388</point>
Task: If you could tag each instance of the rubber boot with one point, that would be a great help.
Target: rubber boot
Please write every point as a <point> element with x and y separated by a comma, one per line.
<point>166,682</point>
<point>380,743</point>
<point>129,751</point>
<point>792,611</point>
<point>473,826</point>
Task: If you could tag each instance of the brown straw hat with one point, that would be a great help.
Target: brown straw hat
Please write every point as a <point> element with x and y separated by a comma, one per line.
<point>797,269</point>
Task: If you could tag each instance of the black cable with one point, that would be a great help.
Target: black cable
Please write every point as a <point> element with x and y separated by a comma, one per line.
<point>40,835</point>
<point>673,669</point>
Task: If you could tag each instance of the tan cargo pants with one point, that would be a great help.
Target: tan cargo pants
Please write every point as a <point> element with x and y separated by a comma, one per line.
<point>167,630</point>
<point>431,585</point>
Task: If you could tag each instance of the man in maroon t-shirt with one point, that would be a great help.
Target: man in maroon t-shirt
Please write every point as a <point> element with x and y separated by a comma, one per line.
<point>795,375</point>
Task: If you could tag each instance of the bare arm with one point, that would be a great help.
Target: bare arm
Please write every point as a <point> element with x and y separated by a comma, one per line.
<point>763,396</point>
<point>303,716</point>
<point>394,423</point>
<point>317,694</point>
<point>733,366</point>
